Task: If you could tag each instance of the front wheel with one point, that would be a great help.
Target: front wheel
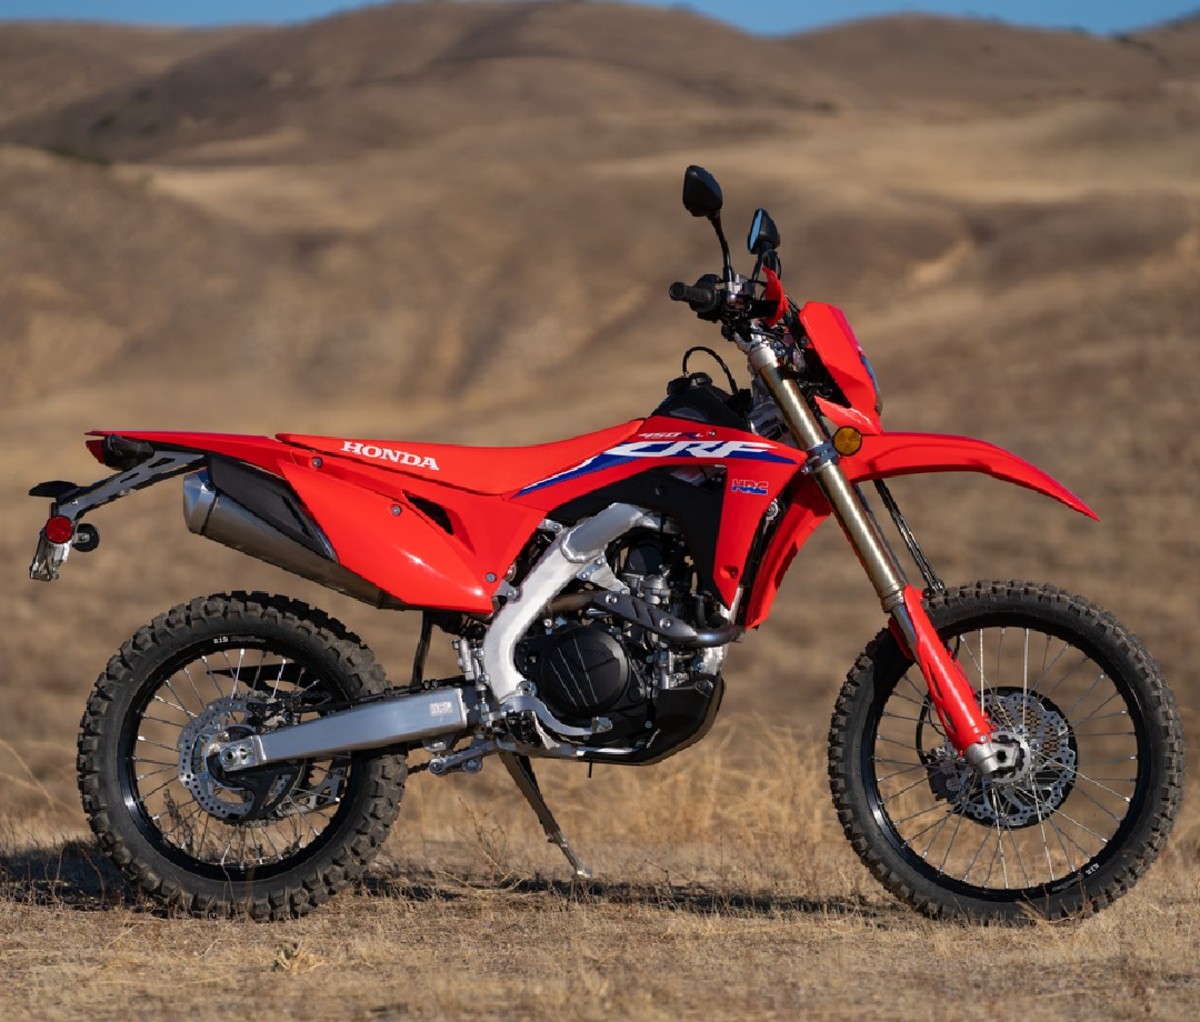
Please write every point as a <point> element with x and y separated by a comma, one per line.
<point>1092,796</point>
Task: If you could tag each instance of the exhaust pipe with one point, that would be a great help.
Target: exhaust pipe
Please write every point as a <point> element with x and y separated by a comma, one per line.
<point>397,721</point>
<point>217,516</point>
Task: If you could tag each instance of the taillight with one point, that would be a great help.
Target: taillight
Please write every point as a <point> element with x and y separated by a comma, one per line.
<point>59,529</point>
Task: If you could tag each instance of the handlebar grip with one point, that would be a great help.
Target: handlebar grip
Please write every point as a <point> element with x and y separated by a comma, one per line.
<point>700,297</point>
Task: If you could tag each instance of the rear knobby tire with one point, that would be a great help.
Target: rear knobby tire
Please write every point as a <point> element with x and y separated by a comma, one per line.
<point>188,838</point>
<point>1104,760</point>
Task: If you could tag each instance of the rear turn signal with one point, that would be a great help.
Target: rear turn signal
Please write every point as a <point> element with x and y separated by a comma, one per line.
<point>59,529</point>
<point>847,440</point>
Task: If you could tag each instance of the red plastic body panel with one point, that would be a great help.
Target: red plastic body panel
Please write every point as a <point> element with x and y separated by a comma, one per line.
<point>897,454</point>
<point>840,416</point>
<point>404,554</point>
<point>807,510</point>
<point>756,471</point>
<point>884,455</point>
<point>830,333</point>
<point>408,555</point>
<point>493,498</point>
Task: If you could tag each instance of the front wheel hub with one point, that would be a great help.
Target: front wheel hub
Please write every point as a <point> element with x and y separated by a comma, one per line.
<point>1037,739</point>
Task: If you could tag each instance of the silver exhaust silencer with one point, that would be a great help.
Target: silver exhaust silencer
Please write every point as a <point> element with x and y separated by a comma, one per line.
<point>217,516</point>
<point>397,721</point>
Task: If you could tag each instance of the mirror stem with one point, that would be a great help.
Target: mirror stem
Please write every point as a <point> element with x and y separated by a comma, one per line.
<point>715,219</point>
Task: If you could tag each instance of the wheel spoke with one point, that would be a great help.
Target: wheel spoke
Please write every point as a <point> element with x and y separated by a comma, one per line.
<point>1041,818</point>
<point>1096,715</point>
<point>940,825</point>
<point>152,791</point>
<point>1083,659</point>
<point>208,673</point>
<point>170,688</point>
<point>950,843</point>
<point>975,858</point>
<point>926,829</point>
<point>191,682</point>
<point>902,716</point>
<point>283,662</point>
<point>266,833</point>
<point>1099,805</point>
<point>913,816</point>
<point>907,787</point>
<point>897,773</point>
<point>159,762</point>
<point>1087,692</point>
<point>236,671</point>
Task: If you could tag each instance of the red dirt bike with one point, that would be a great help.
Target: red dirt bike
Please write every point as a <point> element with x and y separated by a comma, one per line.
<point>998,749</point>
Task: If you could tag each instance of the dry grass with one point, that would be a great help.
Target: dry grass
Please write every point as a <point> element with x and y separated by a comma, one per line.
<point>723,889</point>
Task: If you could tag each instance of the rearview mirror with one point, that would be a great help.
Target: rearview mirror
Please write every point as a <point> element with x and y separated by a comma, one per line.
<point>701,193</point>
<point>764,235</point>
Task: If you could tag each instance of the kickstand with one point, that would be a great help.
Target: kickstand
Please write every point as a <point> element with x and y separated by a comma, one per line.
<point>522,772</point>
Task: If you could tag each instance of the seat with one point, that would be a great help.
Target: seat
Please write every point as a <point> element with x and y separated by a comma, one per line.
<point>489,470</point>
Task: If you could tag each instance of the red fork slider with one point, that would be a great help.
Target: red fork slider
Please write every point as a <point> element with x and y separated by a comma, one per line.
<point>59,529</point>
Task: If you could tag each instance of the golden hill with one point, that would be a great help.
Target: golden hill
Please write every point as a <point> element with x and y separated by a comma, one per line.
<point>459,221</point>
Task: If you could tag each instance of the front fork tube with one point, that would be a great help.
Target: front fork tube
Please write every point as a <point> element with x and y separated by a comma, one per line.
<point>953,698</point>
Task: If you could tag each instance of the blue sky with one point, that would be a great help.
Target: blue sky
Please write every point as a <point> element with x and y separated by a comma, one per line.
<point>751,15</point>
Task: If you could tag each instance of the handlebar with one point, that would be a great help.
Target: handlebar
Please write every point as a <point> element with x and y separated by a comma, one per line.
<point>702,297</point>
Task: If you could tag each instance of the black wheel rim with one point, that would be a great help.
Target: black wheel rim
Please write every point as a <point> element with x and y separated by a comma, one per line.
<point>168,813</point>
<point>1035,836</point>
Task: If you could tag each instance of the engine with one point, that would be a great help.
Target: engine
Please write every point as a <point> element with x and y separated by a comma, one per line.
<point>586,663</point>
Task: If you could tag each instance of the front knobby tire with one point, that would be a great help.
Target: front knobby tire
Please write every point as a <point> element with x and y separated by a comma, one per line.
<point>200,842</point>
<point>1095,793</point>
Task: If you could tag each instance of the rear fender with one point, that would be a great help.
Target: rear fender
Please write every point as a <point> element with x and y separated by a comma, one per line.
<point>69,503</point>
<point>262,452</point>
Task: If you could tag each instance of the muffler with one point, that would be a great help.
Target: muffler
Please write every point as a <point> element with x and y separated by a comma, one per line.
<point>399,721</point>
<point>214,514</point>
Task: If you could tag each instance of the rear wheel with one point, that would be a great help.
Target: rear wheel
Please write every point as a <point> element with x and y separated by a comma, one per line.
<point>272,842</point>
<point>1098,777</point>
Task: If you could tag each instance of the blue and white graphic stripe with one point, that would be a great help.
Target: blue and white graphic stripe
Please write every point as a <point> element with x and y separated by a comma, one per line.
<point>702,450</point>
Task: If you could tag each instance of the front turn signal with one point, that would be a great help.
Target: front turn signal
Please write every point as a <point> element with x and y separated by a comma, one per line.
<point>847,441</point>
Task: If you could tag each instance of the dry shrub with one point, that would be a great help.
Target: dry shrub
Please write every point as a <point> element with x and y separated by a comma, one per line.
<point>748,807</point>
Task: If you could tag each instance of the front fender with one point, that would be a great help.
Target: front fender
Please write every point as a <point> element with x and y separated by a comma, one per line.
<point>897,454</point>
<point>883,455</point>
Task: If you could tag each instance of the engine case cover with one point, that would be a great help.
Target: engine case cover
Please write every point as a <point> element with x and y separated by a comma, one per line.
<point>583,671</point>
